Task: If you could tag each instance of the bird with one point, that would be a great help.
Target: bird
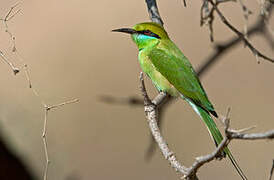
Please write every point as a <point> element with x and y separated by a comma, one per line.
<point>171,72</point>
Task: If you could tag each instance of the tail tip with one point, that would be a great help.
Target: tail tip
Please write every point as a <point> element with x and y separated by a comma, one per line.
<point>214,113</point>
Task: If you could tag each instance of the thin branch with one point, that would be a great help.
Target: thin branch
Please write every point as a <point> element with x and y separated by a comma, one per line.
<point>153,12</point>
<point>241,35</point>
<point>44,134</point>
<point>62,104</point>
<point>253,136</point>
<point>44,137</point>
<point>220,49</point>
<point>200,161</point>
<point>207,17</point>
<point>10,14</point>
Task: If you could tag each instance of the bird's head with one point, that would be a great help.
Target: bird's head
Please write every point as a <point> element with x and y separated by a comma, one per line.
<point>145,34</point>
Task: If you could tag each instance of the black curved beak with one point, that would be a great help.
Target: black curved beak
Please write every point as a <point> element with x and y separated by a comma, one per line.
<point>125,30</point>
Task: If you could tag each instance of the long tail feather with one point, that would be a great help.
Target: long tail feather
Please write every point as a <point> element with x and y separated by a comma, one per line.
<point>215,134</point>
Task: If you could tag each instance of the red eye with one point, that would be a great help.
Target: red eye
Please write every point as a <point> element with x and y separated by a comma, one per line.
<point>147,33</point>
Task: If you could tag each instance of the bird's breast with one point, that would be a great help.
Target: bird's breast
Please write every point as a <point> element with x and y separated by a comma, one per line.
<point>160,82</point>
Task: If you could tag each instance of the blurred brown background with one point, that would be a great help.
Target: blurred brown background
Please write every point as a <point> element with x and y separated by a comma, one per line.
<point>71,53</point>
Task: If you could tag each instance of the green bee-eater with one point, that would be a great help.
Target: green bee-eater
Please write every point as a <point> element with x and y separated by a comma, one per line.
<point>171,72</point>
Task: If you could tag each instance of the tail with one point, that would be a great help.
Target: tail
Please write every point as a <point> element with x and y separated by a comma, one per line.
<point>215,134</point>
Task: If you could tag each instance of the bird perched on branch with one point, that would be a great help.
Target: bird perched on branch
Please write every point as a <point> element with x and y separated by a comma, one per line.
<point>172,73</point>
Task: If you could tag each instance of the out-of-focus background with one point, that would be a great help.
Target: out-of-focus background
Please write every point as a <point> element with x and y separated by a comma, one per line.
<point>71,53</point>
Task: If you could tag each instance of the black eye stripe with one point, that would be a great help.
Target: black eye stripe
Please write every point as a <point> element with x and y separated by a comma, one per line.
<point>149,33</point>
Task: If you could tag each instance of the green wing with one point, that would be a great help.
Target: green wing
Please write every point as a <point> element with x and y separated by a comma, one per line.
<point>176,68</point>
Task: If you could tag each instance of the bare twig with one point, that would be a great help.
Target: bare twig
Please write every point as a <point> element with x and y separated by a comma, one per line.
<point>44,137</point>
<point>61,104</point>
<point>44,134</point>
<point>253,136</point>
<point>11,14</point>
<point>207,17</point>
<point>259,27</point>
<point>241,35</point>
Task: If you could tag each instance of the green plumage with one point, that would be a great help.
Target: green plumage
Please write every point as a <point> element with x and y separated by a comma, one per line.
<point>171,72</point>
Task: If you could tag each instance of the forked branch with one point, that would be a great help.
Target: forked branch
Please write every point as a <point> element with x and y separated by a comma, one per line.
<point>150,108</point>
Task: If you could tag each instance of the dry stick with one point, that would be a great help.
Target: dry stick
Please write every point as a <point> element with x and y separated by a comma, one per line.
<point>47,108</point>
<point>253,136</point>
<point>241,35</point>
<point>44,137</point>
<point>44,134</point>
<point>9,14</point>
<point>62,104</point>
<point>8,17</point>
<point>207,17</point>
